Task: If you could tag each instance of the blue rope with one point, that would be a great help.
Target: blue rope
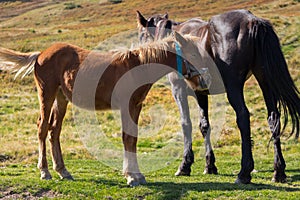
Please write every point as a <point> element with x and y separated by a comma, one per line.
<point>178,59</point>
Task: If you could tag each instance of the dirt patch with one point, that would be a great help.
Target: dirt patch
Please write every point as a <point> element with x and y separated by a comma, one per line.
<point>10,194</point>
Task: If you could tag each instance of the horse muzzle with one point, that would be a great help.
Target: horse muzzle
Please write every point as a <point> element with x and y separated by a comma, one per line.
<point>202,81</point>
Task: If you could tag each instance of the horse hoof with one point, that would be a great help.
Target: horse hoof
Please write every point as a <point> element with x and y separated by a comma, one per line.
<point>210,171</point>
<point>133,183</point>
<point>182,173</point>
<point>70,178</point>
<point>136,183</point>
<point>45,175</point>
<point>279,180</point>
<point>241,181</point>
<point>64,174</point>
<point>142,181</point>
<point>134,180</point>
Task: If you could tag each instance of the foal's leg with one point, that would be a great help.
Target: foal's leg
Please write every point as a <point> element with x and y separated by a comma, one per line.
<point>46,98</point>
<point>236,99</point>
<point>58,112</point>
<point>179,91</point>
<point>274,124</point>
<point>129,136</point>
<point>210,167</point>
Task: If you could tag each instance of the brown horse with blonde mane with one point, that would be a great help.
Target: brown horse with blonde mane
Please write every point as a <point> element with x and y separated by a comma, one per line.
<point>63,68</point>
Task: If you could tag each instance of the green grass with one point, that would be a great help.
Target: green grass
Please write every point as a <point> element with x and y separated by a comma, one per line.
<point>93,24</point>
<point>94,180</point>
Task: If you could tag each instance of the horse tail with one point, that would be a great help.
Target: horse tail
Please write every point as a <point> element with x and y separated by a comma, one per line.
<point>278,77</point>
<point>23,62</point>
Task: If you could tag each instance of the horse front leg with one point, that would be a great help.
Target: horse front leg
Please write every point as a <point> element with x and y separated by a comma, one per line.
<point>179,91</point>
<point>131,169</point>
<point>58,112</point>
<point>210,167</point>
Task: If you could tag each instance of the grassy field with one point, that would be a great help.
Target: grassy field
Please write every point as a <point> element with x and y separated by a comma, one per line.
<point>35,25</point>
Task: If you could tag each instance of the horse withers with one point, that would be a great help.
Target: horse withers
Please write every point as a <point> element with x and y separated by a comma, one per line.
<point>242,45</point>
<point>90,79</point>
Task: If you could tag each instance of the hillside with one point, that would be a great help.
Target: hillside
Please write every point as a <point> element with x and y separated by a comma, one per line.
<point>36,24</point>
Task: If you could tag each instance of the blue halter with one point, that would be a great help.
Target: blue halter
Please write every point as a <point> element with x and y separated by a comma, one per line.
<point>179,59</point>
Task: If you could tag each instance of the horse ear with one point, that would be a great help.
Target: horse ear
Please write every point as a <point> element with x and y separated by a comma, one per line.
<point>179,38</point>
<point>169,25</point>
<point>166,16</point>
<point>150,23</point>
<point>141,19</point>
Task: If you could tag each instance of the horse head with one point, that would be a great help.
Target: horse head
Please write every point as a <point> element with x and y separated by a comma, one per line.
<point>197,75</point>
<point>147,27</point>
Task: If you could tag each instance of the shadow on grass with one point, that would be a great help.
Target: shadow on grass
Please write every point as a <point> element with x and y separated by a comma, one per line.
<point>171,189</point>
<point>295,177</point>
<point>222,186</point>
<point>109,182</point>
<point>175,190</point>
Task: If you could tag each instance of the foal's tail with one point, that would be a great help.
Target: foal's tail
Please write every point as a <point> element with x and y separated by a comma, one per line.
<point>276,72</point>
<point>23,62</point>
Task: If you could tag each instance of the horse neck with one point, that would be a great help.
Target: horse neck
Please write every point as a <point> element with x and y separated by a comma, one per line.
<point>169,59</point>
<point>155,66</point>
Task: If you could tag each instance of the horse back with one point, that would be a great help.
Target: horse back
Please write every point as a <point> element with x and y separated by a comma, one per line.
<point>59,53</point>
<point>190,27</point>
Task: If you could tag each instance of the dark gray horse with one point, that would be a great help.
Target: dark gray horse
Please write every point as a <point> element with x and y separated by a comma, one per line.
<point>240,45</point>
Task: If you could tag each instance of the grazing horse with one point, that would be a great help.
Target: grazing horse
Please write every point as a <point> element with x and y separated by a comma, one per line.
<point>150,29</point>
<point>242,44</point>
<point>63,68</point>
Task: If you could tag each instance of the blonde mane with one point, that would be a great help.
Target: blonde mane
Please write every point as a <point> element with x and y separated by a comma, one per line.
<point>151,51</point>
<point>146,52</point>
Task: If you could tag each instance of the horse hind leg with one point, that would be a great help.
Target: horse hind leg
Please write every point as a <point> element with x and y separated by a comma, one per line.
<point>236,99</point>
<point>279,163</point>
<point>210,167</point>
<point>46,100</point>
<point>274,124</point>
<point>58,112</point>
